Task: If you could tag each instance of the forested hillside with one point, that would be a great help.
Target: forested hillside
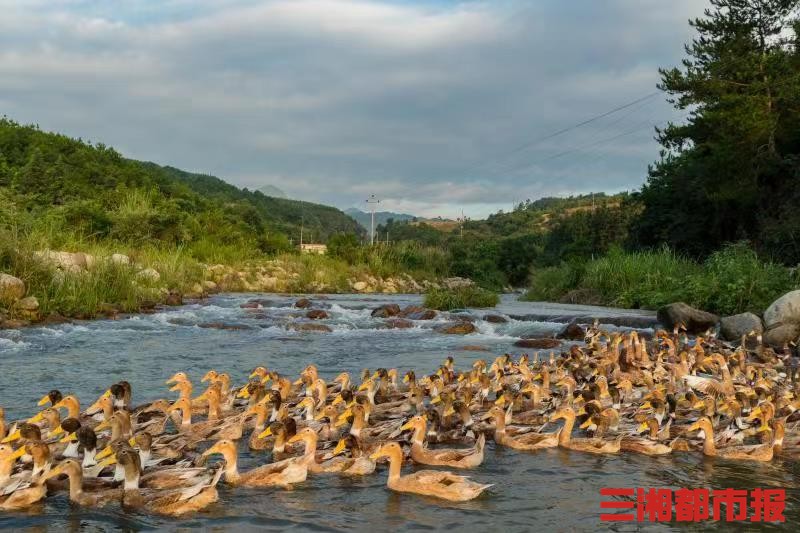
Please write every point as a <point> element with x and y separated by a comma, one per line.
<point>93,189</point>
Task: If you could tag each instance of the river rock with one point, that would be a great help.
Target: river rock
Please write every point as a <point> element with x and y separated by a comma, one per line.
<point>544,343</point>
<point>398,323</point>
<point>224,326</point>
<point>310,326</point>
<point>457,328</point>
<point>360,286</point>
<point>495,319</point>
<point>11,288</point>
<point>573,332</point>
<point>316,314</point>
<point>174,298</point>
<point>148,274</point>
<point>695,320</point>
<point>474,348</point>
<point>28,308</point>
<point>303,303</point>
<point>70,262</point>
<point>386,311</point>
<point>210,286</point>
<point>120,259</point>
<point>780,334</point>
<point>13,323</point>
<point>731,328</point>
<point>415,312</point>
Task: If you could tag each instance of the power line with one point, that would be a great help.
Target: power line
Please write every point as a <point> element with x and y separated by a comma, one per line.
<point>595,118</point>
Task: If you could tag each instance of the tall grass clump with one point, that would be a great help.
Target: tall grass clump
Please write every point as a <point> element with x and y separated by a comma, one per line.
<point>735,280</point>
<point>460,298</point>
<point>552,283</point>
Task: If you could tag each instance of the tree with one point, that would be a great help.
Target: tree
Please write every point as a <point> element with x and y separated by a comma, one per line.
<point>730,165</point>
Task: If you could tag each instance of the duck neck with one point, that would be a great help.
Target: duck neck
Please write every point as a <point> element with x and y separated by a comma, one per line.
<point>419,435</point>
<point>395,463</point>
<point>88,458</point>
<point>709,448</point>
<point>499,427</point>
<point>566,431</point>
<point>6,466</point>
<point>231,466</point>
<point>75,484</point>
<point>144,456</point>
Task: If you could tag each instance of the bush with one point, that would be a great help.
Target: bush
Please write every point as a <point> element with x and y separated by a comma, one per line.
<point>463,297</point>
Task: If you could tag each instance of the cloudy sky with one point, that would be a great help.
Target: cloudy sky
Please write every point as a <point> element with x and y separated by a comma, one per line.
<point>434,106</point>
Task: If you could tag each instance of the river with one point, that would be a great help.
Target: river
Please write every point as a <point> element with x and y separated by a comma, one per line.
<point>548,490</point>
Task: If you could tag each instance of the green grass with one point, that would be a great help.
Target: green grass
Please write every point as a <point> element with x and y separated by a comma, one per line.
<point>449,299</point>
<point>731,280</point>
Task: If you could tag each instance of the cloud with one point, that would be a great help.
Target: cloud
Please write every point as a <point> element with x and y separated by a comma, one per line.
<point>421,103</point>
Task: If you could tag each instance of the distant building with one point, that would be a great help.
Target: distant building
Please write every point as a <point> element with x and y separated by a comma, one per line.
<point>311,248</point>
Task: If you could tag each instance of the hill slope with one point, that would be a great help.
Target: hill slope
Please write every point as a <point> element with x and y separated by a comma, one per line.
<point>94,190</point>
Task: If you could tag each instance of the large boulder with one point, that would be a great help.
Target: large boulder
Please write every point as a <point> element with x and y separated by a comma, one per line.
<point>11,288</point>
<point>784,310</point>
<point>316,314</point>
<point>539,344</point>
<point>120,259</point>
<point>731,328</point>
<point>67,261</point>
<point>572,332</point>
<point>28,308</point>
<point>694,320</point>
<point>360,286</point>
<point>385,311</point>
<point>780,334</point>
<point>457,328</point>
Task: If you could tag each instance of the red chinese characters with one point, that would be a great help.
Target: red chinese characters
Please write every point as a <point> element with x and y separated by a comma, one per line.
<point>693,505</point>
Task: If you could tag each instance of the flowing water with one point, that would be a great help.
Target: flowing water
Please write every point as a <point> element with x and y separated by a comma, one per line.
<point>548,490</point>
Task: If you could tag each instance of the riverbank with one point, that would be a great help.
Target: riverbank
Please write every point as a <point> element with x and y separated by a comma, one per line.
<point>47,286</point>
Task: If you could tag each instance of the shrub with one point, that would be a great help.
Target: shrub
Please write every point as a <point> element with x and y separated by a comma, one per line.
<point>460,298</point>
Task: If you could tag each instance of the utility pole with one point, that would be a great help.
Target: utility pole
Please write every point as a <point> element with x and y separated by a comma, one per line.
<point>372,201</point>
<point>461,221</point>
<point>302,221</point>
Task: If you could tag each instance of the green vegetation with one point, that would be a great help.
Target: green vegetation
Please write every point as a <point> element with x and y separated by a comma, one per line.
<point>731,280</point>
<point>460,298</point>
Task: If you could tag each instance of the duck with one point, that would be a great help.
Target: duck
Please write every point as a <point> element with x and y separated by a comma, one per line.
<point>280,474</point>
<point>438,484</point>
<point>526,441</point>
<point>454,458</point>
<point>591,445</point>
<point>758,452</point>
<point>358,464</point>
<point>77,494</point>
<point>169,502</point>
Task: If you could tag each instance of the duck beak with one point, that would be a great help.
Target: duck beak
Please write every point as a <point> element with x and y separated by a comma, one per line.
<point>105,452</point>
<point>693,427</point>
<point>36,418</point>
<point>244,393</point>
<point>405,378</point>
<point>266,433</point>
<point>407,425</point>
<point>296,438</point>
<point>12,437</point>
<point>587,423</point>
<point>753,414</point>
<point>338,400</point>
<point>132,441</point>
<point>342,420</point>
<point>96,405</point>
<point>19,452</point>
<point>298,381</point>
<point>501,401</point>
<point>212,450</point>
<point>58,431</point>
<point>377,454</point>
<point>364,386</point>
<point>253,374</point>
<point>102,425</point>
<point>207,376</point>
<point>449,411</point>
<point>68,438</point>
<point>642,427</point>
<point>699,405</point>
<point>646,405</point>
<point>108,461</point>
<point>44,401</point>
<point>436,400</point>
<point>340,447</point>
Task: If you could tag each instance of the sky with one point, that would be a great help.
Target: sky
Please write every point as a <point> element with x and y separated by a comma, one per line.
<point>434,106</point>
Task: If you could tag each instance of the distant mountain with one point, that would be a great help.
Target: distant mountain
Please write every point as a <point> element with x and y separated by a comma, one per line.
<point>273,191</point>
<point>364,218</point>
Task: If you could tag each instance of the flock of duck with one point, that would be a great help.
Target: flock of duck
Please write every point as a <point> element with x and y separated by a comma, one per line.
<point>671,394</point>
